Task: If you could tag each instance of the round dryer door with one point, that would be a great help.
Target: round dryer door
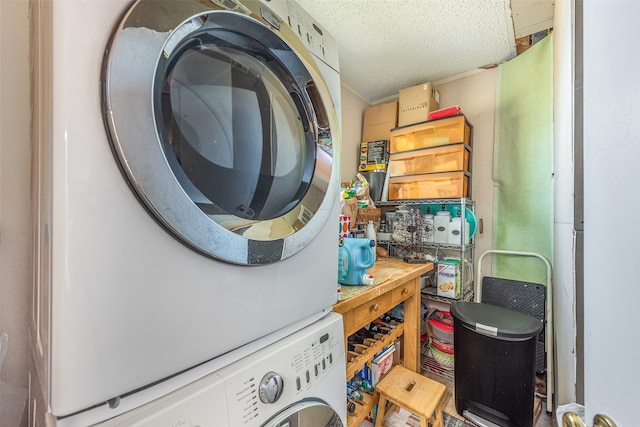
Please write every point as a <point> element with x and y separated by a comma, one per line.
<point>223,127</point>
<point>307,413</point>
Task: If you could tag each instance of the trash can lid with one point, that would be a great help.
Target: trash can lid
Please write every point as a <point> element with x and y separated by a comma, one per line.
<point>496,321</point>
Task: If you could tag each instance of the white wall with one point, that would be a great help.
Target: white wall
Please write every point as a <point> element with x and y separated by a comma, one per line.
<point>475,94</point>
<point>564,235</point>
<point>352,114</point>
<point>15,211</point>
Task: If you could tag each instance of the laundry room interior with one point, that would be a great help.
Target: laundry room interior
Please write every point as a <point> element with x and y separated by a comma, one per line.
<point>173,173</point>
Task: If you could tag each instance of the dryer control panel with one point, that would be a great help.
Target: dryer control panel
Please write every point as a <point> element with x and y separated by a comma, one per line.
<point>313,35</point>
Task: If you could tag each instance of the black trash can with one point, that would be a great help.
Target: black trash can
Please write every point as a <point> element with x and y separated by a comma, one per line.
<point>495,362</point>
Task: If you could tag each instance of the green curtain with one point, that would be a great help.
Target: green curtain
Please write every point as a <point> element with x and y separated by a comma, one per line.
<point>523,163</point>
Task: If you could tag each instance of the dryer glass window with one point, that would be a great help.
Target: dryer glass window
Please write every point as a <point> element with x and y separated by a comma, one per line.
<point>235,128</point>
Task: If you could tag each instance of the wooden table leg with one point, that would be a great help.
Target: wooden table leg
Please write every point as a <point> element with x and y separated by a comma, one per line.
<point>439,421</point>
<point>412,329</point>
<point>382,403</point>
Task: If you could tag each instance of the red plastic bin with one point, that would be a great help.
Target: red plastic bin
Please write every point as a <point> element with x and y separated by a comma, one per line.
<point>441,330</point>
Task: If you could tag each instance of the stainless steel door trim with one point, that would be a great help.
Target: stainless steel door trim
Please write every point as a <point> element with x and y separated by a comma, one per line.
<point>149,31</point>
<point>309,413</point>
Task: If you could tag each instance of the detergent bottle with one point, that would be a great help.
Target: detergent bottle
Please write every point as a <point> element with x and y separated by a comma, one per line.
<point>355,255</point>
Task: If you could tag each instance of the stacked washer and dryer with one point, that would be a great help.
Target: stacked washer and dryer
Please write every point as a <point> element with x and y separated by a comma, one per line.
<point>185,183</point>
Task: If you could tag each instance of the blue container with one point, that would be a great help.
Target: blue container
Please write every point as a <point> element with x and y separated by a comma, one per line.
<point>355,255</point>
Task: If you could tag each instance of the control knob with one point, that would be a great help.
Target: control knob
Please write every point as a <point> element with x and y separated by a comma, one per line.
<point>271,386</point>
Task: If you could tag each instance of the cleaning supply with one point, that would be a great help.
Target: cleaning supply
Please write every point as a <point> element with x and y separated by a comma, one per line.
<point>371,232</point>
<point>355,255</point>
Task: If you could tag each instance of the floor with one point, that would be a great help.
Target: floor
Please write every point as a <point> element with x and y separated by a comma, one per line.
<point>431,369</point>
<point>544,419</point>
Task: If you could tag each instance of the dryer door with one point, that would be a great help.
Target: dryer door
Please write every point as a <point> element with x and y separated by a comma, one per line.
<point>223,127</point>
<point>307,413</point>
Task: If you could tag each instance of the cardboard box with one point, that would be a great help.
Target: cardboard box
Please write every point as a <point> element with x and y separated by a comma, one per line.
<point>449,279</point>
<point>374,155</point>
<point>379,120</point>
<point>416,102</point>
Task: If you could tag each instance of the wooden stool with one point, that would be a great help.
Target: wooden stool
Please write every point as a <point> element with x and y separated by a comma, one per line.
<point>416,393</point>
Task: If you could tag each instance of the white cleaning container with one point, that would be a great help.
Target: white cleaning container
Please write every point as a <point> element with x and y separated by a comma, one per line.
<point>455,231</point>
<point>441,227</point>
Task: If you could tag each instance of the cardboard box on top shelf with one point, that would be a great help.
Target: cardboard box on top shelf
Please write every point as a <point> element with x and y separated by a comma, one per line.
<point>379,120</point>
<point>416,102</point>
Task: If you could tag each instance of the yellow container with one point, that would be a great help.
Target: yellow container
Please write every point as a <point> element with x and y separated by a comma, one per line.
<point>446,158</point>
<point>429,186</point>
<point>450,130</point>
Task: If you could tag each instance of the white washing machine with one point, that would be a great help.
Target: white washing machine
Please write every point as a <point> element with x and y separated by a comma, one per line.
<point>186,192</point>
<point>291,383</point>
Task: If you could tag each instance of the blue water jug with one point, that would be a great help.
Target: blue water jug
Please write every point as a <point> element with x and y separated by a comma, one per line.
<point>355,255</point>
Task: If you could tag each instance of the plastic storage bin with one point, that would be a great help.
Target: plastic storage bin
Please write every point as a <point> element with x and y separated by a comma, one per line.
<point>429,186</point>
<point>447,158</point>
<point>430,134</point>
<point>441,330</point>
<point>494,363</point>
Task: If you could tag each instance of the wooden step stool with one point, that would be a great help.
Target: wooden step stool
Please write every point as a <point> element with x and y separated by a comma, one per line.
<point>416,393</point>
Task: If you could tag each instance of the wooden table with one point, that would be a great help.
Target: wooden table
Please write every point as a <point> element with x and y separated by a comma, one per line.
<point>395,281</point>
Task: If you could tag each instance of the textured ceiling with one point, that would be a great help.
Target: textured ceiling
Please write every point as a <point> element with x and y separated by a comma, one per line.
<point>387,45</point>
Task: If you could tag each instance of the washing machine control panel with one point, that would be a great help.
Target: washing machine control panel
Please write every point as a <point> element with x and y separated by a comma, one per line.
<point>260,389</point>
<point>295,368</point>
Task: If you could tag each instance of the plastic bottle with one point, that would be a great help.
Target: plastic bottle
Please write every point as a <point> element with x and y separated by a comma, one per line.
<point>371,232</point>
<point>361,384</point>
<point>367,279</point>
<point>354,257</point>
<point>352,392</point>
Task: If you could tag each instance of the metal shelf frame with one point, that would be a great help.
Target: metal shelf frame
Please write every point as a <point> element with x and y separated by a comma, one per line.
<point>413,202</point>
<point>462,249</point>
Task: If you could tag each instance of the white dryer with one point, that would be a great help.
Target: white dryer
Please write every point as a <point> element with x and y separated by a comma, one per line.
<point>186,184</point>
<point>291,383</point>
